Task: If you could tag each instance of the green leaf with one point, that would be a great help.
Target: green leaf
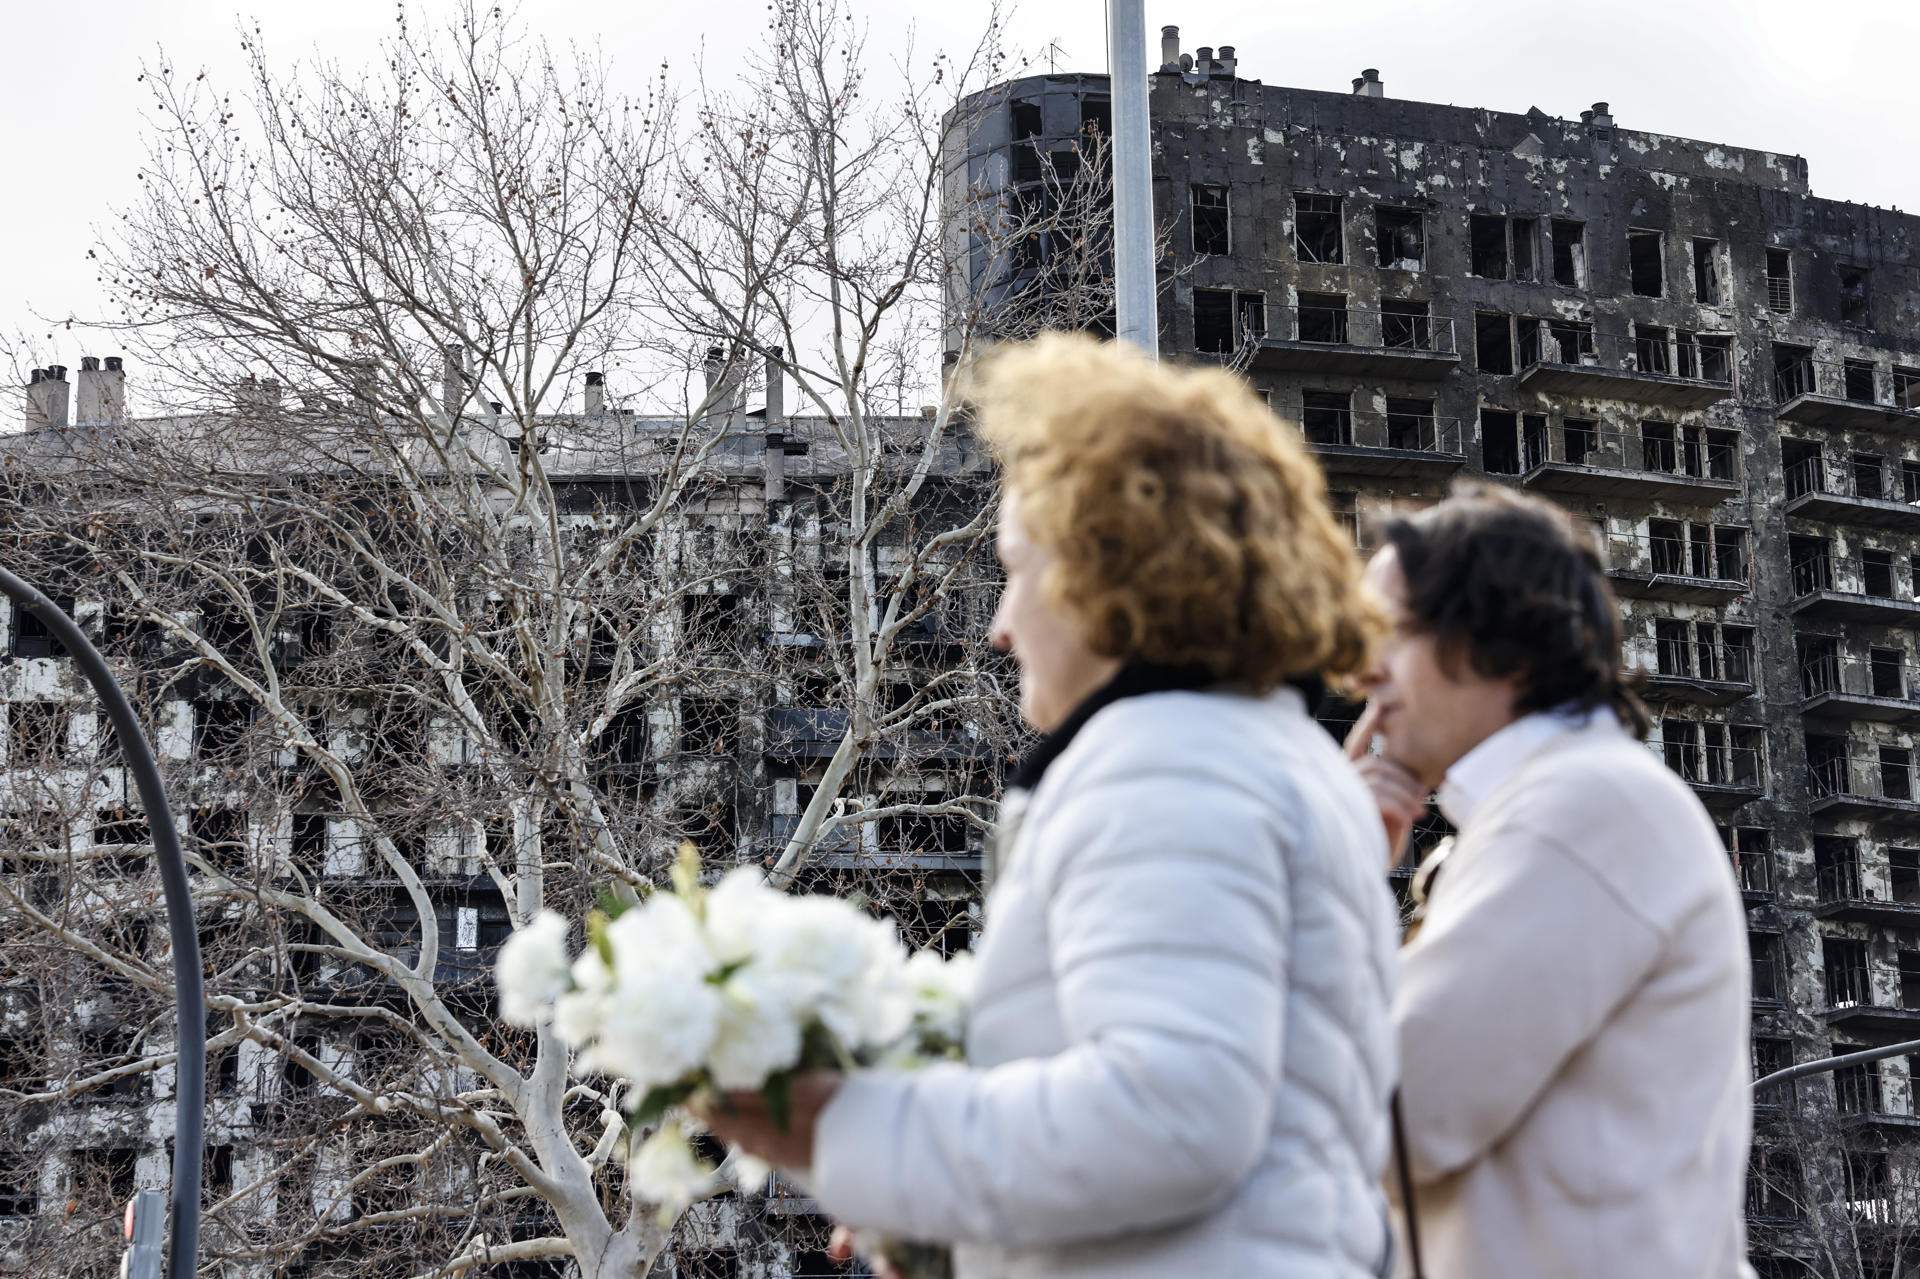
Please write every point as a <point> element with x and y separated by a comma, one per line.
<point>654,1106</point>
<point>779,1094</point>
<point>597,938</point>
<point>612,905</point>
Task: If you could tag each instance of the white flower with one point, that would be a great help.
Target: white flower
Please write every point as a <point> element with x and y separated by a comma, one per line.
<point>665,1170</point>
<point>651,1018</point>
<point>532,970</point>
<point>740,913</point>
<point>749,1173</point>
<point>941,989</point>
<point>758,1032</point>
<point>578,1015</point>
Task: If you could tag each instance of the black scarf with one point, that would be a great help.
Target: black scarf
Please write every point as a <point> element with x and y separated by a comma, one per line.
<point>1133,680</point>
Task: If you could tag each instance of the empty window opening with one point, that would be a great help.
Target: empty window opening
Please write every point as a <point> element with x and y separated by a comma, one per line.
<point>1404,323</point>
<point>1751,848</point>
<point>1706,271</point>
<point>1210,229</point>
<point>1650,348</point>
<point>1858,375</point>
<point>1836,867</point>
<point>1896,772</point>
<point>103,1176</point>
<point>1876,572</point>
<point>1523,233</point>
<point>1026,129</point>
<point>1711,355</point>
<point>1846,965</point>
<point>1909,481</point>
<point>1250,311</point>
<point>1673,647</point>
<point>1792,371</point>
<point>1582,437</point>
<point>1906,389</point>
<point>1886,669</point>
<point>1569,253</point>
<point>1326,417</point>
<point>1500,441</point>
<point>1810,560</point>
<point>1780,281</point>
<point>1493,341</point>
<point>1487,237</point>
<point>1096,116</point>
<point>1729,552</point>
<point>1658,447</point>
<point>31,638</point>
<point>1769,976</point>
<point>1903,876</point>
<point>1801,460</point>
<point>1856,1089</point>
<point>1535,449</point>
<point>1869,471</point>
<point>1213,321</point>
<point>1855,304</point>
<point>1323,317</point>
<point>1316,228</point>
<point>1556,342</point>
<point>1643,263</point>
<point>1400,238</point>
<point>1410,425</point>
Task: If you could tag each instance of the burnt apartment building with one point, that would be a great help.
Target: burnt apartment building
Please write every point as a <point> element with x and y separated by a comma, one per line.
<point>1683,346</point>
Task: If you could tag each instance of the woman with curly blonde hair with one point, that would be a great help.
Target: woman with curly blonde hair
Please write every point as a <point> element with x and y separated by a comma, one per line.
<point>1180,1054</point>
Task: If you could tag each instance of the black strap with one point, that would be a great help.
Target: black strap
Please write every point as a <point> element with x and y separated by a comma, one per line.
<point>1406,1186</point>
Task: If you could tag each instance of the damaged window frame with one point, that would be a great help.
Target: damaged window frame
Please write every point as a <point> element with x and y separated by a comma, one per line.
<point>1856,305</point>
<point>1242,311</point>
<point>1316,251</point>
<point>1488,256</point>
<point>1212,224</point>
<point>1391,221</point>
<point>1779,278</point>
<point>1646,262</point>
<point>1709,279</point>
<point>1574,276</point>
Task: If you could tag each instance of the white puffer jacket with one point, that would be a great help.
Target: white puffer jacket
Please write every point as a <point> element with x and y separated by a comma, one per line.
<point>1180,1052</point>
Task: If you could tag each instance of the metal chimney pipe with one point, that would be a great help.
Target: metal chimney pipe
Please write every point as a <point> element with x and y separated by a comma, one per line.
<point>596,393</point>
<point>776,390</point>
<point>1169,48</point>
<point>1135,303</point>
<point>47,397</point>
<point>453,379</point>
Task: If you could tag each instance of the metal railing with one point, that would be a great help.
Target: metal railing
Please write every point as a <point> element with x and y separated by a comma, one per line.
<point>1705,359</point>
<point>1680,451</point>
<point>1667,556</point>
<point>1701,659</point>
<point>1701,763</point>
<point>1839,881</point>
<point>1753,868</point>
<point>1835,776</point>
<point>1780,294</point>
<point>1879,483</point>
<point>1834,672</point>
<point>1824,571</point>
<point>1356,326</point>
<point>1407,432</point>
<point>1856,380</point>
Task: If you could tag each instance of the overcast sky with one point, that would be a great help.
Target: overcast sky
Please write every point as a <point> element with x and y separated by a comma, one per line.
<point>1835,82</point>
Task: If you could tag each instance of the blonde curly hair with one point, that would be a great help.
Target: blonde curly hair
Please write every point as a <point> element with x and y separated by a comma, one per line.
<point>1189,524</point>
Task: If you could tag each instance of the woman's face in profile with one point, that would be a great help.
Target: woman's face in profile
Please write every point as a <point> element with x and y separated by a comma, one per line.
<point>1057,669</point>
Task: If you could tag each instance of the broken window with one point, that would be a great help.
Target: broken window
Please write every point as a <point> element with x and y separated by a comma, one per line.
<point>1876,572</point>
<point>1410,425</point>
<point>1556,342</point>
<point>1523,233</point>
<point>1856,1089</point>
<point>1903,874</point>
<point>1500,441</point>
<point>1869,471</point>
<point>219,724</point>
<point>1792,371</point>
<point>1658,447</point>
<point>708,725</point>
<point>103,1175</point>
<point>1836,867</point>
<point>1569,253</point>
<point>1751,848</point>
<point>1345,505</point>
<point>1326,417</point>
<point>1493,341</point>
<point>1909,969</point>
<point>1487,244</point>
<point>1208,205</point>
<point>1650,348</point>
<point>1096,116</point>
<point>1404,323</point>
<point>220,834</point>
<point>1250,310</point>
<point>1706,271</point>
<point>1810,560</point>
<point>1712,358</point>
<point>1768,971</point>
<point>1896,772</point>
<point>1213,321</point>
<point>1855,304</point>
<point>1886,671</point>
<point>1672,647</point>
<point>1535,447</point>
<point>1026,146</point>
<point>1399,237</point>
<point>1780,281</point>
<point>1643,263</point>
<point>1316,228</point>
<point>1906,388</point>
<point>31,638</point>
<point>38,731</point>
<point>1805,471</point>
<point>1858,380</point>
<point>1729,552</point>
<point>1773,1188</point>
<point>1323,317</point>
<point>1582,438</point>
<point>1909,481</point>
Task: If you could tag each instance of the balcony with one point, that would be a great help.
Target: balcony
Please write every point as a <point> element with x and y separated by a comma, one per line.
<point>1687,465</point>
<point>1860,496</point>
<point>1384,444</point>
<point>1687,374</point>
<point>1645,566</point>
<point>1753,871</point>
<point>1351,342</point>
<point>1819,593</point>
<point>1722,776</point>
<point>1842,896</point>
<point>1881,792</point>
<point>1691,671</point>
<point>1837,687</point>
<point>1851,1007</point>
<point>844,849</point>
<point>815,734</point>
<point>1845,395</point>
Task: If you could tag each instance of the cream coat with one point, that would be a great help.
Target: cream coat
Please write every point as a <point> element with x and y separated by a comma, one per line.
<point>1180,1050</point>
<point>1573,1028</point>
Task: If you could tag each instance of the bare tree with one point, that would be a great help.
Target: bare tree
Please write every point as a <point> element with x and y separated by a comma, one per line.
<point>425,648</point>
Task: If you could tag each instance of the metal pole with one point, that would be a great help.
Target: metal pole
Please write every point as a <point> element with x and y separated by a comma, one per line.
<point>189,998</point>
<point>1835,1063</point>
<point>1136,308</point>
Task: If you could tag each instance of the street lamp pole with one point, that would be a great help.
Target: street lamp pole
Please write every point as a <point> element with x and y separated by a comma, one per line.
<point>1135,306</point>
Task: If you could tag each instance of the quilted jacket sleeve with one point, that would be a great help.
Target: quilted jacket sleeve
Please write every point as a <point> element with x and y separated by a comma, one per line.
<point>1167,920</point>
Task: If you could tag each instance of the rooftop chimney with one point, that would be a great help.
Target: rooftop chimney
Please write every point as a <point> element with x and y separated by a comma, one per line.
<point>256,394</point>
<point>47,397</point>
<point>1203,61</point>
<point>1602,118</point>
<point>715,363</point>
<point>453,379</point>
<point>726,387</point>
<point>596,393</point>
<point>1227,60</point>
<point>101,396</point>
<point>776,391</point>
<point>1368,85</point>
<point>1169,48</point>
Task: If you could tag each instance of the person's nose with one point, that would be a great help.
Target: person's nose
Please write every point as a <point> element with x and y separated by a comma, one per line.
<point>999,634</point>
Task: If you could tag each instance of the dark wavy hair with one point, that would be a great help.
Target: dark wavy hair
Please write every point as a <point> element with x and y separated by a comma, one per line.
<point>1513,585</point>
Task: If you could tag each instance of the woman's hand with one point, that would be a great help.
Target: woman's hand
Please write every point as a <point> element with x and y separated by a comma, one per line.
<point>1401,798</point>
<point>841,1250</point>
<point>744,1119</point>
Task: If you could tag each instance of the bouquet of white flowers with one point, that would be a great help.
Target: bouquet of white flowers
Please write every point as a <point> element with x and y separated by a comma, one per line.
<point>733,987</point>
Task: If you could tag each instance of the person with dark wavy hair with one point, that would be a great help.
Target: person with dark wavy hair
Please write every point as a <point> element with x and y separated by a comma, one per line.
<point>1573,999</point>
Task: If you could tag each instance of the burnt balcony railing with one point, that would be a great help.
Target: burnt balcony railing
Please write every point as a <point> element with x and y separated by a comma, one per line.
<point>1824,586</point>
<point>1647,368</point>
<point>1857,688</point>
<point>1845,393</point>
<point>1869,493</point>
<point>1670,463</point>
<point>1844,787</point>
<point>1384,443</point>
<point>1695,670</point>
<point>1713,769</point>
<point>1328,338</point>
<point>1689,569</point>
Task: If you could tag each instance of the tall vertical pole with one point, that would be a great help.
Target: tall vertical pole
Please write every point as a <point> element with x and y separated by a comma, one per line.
<point>1136,309</point>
